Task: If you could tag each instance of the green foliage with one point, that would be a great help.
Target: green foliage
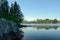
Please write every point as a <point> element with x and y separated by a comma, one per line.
<point>55,21</point>
<point>4,9</point>
<point>45,21</point>
<point>12,14</point>
<point>16,13</point>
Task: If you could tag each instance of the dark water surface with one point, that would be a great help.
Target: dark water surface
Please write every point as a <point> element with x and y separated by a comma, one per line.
<point>41,33</point>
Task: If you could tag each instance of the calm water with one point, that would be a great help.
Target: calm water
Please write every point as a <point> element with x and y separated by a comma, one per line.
<point>41,33</point>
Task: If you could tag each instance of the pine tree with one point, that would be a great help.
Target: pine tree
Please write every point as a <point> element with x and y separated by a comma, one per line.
<point>4,9</point>
<point>16,13</point>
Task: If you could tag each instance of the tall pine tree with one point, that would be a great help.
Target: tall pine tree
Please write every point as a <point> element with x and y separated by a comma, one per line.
<point>16,13</point>
<point>4,9</point>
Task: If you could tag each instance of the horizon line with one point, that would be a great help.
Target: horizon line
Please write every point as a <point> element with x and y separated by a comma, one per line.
<point>31,19</point>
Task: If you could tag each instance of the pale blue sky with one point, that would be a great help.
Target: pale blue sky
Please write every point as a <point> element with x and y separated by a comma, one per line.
<point>42,9</point>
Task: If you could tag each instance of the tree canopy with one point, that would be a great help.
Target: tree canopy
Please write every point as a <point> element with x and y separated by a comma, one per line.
<point>12,13</point>
<point>45,21</point>
<point>16,13</point>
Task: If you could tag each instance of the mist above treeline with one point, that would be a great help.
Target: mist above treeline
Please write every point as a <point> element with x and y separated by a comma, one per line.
<point>43,21</point>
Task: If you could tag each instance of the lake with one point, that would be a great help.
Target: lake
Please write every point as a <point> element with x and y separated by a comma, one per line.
<point>41,33</point>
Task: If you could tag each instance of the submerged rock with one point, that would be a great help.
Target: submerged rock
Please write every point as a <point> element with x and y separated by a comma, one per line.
<point>9,30</point>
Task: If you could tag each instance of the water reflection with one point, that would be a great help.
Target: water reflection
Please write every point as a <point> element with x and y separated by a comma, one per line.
<point>47,27</point>
<point>12,35</point>
<point>19,35</point>
<point>41,33</point>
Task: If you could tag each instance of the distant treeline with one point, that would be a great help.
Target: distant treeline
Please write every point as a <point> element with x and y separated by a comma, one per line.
<point>45,21</point>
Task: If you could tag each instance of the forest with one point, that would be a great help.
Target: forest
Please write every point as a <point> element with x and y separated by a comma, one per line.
<point>45,21</point>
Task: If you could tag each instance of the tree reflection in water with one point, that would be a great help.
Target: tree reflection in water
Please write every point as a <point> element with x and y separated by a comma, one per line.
<point>47,27</point>
<point>12,35</point>
<point>16,36</point>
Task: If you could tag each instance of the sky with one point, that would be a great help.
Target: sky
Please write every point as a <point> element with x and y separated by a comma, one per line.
<point>39,9</point>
